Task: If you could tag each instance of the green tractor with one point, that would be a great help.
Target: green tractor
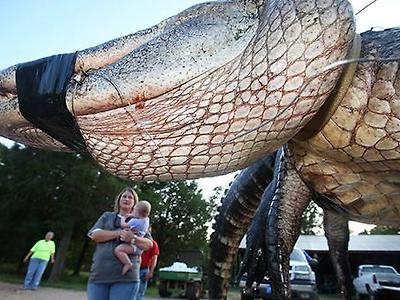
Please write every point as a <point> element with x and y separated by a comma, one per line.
<point>184,278</point>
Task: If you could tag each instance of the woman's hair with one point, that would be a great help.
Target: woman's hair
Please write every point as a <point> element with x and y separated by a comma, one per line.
<point>126,189</point>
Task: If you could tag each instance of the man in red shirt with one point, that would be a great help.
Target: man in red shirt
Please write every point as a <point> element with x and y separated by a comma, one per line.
<point>147,267</point>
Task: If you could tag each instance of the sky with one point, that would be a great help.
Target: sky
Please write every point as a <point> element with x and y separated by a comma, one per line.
<point>32,29</point>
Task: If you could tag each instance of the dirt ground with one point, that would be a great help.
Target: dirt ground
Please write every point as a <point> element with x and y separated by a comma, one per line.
<point>9,291</point>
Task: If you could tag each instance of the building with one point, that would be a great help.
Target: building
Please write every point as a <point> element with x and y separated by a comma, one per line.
<point>363,249</point>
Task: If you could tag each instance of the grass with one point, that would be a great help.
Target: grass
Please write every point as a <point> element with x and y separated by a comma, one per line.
<point>152,291</point>
<point>79,283</point>
<point>11,278</point>
<point>71,283</point>
<point>330,297</point>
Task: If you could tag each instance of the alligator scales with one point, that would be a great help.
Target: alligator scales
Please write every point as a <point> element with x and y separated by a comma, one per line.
<point>218,88</point>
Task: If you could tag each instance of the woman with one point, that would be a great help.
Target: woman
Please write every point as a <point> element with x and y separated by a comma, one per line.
<point>105,279</point>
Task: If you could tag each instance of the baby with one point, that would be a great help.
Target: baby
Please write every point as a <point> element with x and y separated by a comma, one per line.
<point>140,223</point>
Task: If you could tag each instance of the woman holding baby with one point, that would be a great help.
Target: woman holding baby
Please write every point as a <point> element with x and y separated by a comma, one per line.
<point>106,282</point>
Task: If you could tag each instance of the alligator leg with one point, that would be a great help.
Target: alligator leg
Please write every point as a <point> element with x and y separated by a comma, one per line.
<point>337,233</point>
<point>235,215</point>
<point>254,261</point>
<point>284,217</point>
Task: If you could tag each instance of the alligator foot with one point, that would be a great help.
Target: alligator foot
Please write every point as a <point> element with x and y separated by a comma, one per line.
<point>288,203</point>
<point>275,229</point>
<point>337,233</point>
<point>235,215</point>
<point>254,262</point>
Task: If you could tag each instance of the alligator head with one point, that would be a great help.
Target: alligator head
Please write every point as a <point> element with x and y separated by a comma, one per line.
<point>203,93</point>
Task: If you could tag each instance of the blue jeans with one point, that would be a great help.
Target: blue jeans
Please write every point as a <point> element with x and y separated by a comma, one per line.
<point>112,291</point>
<point>34,273</point>
<point>142,283</point>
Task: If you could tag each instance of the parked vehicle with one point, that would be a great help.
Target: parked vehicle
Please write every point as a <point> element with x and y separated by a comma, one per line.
<point>377,281</point>
<point>183,283</point>
<point>302,281</point>
<point>185,278</point>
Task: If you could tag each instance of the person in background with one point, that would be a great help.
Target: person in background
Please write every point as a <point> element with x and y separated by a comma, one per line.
<point>39,255</point>
<point>147,267</point>
<point>105,279</point>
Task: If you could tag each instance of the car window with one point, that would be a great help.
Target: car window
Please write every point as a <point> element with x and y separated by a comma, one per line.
<point>377,269</point>
<point>298,255</point>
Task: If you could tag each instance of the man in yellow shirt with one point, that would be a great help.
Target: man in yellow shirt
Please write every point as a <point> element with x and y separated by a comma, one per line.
<point>40,255</point>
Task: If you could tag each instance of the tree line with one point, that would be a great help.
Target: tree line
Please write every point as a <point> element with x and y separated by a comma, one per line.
<point>66,193</point>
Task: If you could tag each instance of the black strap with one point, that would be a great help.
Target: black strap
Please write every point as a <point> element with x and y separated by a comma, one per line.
<point>41,87</point>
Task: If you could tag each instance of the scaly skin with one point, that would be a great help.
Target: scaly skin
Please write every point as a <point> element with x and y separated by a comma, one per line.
<point>236,67</point>
<point>234,218</point>
<point>285,212</point>
<point>336,228</point>
<point>274,231</point>
<point>219,86</point>
<point>355,159</point>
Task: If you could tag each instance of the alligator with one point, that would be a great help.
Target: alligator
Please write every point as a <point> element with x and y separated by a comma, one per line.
<point>267,200</point>
<point>218,87</point>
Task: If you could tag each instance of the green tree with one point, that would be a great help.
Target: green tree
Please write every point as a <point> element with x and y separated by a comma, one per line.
<point>42,191</point>
<point>180,216</point>
<point>312,220</point>
<point>381,229</point>
<point>67,192</point>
